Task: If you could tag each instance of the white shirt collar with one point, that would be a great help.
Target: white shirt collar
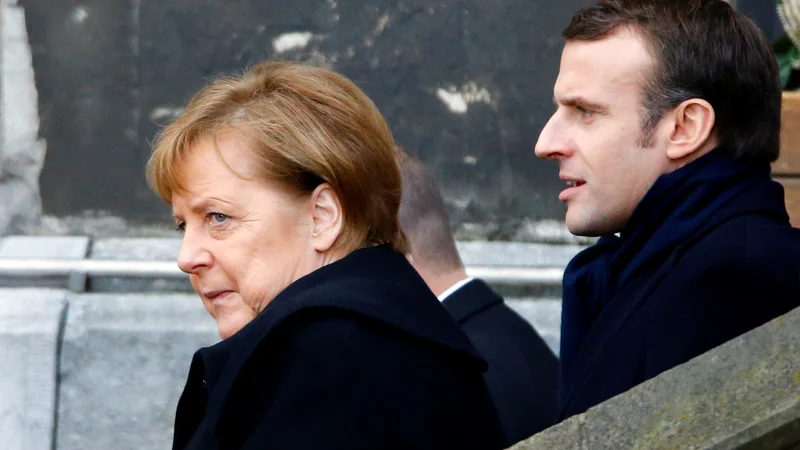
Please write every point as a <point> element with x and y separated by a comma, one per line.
<point>454,288</point>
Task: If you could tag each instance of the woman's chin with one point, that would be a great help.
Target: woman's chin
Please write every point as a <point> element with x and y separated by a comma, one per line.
<point>228,326</point>
<point>224,333</point>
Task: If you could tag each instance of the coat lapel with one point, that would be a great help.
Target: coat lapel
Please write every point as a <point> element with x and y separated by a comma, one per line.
<point>603,331</point>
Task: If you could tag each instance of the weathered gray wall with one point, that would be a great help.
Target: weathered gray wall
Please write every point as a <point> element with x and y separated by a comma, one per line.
<point>466,84</point>
<point>21,150</point>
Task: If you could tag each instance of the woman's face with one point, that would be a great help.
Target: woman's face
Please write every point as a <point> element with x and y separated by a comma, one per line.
<point>244,241</point>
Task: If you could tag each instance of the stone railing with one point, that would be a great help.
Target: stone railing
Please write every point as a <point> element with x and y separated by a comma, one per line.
<point>744,394</point>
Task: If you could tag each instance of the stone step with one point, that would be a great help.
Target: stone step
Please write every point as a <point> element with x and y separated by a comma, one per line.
<point>30,324</point>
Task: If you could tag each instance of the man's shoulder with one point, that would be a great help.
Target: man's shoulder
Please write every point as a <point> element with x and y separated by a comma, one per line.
<point>746,242</point>
<point>739,262</point>
<point>490,315</point>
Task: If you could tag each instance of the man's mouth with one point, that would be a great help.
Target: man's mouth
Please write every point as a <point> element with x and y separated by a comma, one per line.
<point>571,190</point>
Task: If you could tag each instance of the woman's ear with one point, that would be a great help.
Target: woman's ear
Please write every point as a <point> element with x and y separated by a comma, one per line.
<point>327,216</point>
<point>692,133</point>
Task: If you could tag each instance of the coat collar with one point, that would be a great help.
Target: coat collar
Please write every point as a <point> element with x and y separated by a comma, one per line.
<point>375,283</point>
<point>765,200</point>
<point>471,299</point>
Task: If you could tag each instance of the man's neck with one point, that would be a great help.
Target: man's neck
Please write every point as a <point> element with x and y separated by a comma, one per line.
<point>439,282</point>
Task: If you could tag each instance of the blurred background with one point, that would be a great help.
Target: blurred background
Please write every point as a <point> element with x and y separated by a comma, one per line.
<point>97,325</point>
<point>466,85</point>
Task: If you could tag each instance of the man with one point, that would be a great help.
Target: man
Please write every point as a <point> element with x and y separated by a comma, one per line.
<point>667,118</point>
<point>523,371</point>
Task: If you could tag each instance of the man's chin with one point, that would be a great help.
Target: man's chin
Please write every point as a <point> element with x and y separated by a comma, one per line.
<point>579,226</point>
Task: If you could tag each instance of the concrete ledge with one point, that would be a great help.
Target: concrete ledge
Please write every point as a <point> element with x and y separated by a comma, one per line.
<point>124,362</point>
<point>483,253</point>
<point>140,249</point>
<point>516,254</point>
<point>45,247</point>
<point>476,253</point>
<point>29,333</point>
<point>744,394</point>
<point>137,249</point>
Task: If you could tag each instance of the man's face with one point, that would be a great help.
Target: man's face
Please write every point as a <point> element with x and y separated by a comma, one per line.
<point>595,133</point>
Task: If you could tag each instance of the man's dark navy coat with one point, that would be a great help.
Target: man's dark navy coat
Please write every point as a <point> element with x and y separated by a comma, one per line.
<point>357,355</point>
<point>523,371</point>
<point>723,259</point>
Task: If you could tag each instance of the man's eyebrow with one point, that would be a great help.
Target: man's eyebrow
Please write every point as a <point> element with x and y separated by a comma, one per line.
<point>582,102</point>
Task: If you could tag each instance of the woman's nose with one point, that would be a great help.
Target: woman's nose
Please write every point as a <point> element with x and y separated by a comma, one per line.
<point>193,256</point>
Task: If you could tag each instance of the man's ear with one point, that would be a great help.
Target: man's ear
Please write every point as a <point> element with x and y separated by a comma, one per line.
<point>692,130</point>
<point>327,216</point>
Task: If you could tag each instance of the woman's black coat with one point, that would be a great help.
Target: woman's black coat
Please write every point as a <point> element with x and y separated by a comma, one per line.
<point>356,355</point>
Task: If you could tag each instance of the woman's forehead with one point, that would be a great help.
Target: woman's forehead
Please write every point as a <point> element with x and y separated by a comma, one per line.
<point>221,155</point>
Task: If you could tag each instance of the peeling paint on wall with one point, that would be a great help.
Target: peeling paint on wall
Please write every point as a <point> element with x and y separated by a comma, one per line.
<point>291,41</point>
<point>458,100</point>
<point>21,151</point>
<point>163,113</point>
<point>453,100</point>
<point>381,25</point>
<point>79,15</point>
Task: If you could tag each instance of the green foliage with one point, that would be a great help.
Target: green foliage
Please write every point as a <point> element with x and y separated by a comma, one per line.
<point>787,48</point>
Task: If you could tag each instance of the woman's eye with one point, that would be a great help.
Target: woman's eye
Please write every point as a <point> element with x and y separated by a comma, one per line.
<point>217,217</point>
<point>181,227</point>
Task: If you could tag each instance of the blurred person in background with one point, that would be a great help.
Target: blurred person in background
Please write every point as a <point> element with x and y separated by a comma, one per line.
<point>667,119</point>
<point>285,184</point>
<point>523,371</point>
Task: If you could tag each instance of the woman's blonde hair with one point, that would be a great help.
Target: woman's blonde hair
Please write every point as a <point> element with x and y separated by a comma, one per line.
<point>306,126</point>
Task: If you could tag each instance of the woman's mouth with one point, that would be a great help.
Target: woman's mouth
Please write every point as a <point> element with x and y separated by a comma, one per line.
<point>216,295</point>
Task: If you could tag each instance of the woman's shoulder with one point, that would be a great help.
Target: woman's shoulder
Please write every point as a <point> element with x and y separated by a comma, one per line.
<point>327,327</point>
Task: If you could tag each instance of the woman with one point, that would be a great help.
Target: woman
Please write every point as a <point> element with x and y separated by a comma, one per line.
<point>285,185</point>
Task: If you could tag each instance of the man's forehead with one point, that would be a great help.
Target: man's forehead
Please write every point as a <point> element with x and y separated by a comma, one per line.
<point>618,62</point>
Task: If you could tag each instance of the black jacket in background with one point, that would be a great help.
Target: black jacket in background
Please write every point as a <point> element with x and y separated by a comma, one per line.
<point>523,371</point>
<point>356,355</point>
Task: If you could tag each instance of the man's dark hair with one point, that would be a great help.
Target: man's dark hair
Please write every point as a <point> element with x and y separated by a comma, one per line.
<point>703,49</point>
<point>423,216</point>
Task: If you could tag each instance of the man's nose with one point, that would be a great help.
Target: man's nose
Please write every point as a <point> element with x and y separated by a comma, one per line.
<point>553,142</point>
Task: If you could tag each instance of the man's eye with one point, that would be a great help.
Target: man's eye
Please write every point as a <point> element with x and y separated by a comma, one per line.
<point>585,113</point>
<point>181,227</point>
